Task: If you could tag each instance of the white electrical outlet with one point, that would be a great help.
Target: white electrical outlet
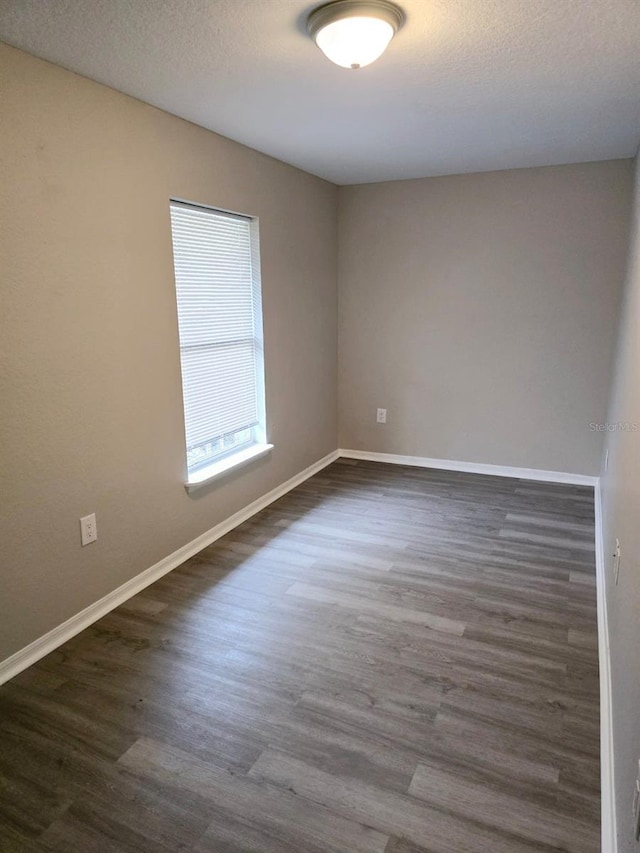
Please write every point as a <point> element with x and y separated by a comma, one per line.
<point>381,417</point>
<point>88,529</point>
<point>616,561</point>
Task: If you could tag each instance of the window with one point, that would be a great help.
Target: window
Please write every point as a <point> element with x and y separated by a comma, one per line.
<point>217,269</point>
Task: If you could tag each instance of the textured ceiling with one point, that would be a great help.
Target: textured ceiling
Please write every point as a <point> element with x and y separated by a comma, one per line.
<point>466,85</point>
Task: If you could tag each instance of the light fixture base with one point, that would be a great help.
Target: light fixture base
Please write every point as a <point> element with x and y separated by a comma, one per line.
<point>354,33</point>
<point>339,9</point>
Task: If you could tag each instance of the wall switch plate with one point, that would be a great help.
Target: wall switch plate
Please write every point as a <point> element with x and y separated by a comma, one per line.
<point>616,562</point>
<point>636,807</point>
<point>381,416</point>
<point>88,529</point>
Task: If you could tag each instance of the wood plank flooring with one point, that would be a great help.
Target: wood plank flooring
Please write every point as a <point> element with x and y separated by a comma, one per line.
<point>386,660</point>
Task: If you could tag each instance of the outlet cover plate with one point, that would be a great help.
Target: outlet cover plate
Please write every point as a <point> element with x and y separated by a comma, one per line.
<point>88,529</point>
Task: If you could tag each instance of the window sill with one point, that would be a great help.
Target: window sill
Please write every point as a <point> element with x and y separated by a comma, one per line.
<point>217,470</point>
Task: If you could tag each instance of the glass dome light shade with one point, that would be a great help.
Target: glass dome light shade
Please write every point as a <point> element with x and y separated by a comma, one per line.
<point>354,42</point>
<point>354,33</point>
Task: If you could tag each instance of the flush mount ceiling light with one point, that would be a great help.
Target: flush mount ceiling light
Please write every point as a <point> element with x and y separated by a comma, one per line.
<point>354,33</point>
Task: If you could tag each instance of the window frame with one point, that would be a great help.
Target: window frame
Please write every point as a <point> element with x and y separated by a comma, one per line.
<point>228,461</point>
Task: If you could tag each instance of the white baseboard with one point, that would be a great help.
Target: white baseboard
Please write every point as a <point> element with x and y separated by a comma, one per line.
<point>473,467</point>
<point>607,778</point>
<point>57,636</point>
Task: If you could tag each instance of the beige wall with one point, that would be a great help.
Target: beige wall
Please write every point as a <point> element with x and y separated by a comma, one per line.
<point>480,310</point>
<point>91,411</point>
<point>621,516</point>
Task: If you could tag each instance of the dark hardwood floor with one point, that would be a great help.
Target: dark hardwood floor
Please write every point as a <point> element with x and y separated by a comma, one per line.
<point>386,660</point>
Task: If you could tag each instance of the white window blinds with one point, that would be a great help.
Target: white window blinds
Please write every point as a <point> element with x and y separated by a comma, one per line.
<point>220,324</point>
